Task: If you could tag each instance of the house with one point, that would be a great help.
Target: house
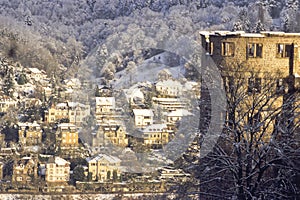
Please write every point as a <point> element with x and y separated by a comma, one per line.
<point>74,112</point>
<point>57,170</point>
<point>30,133</point>
<point>24,170</point>
<point>156,135</point>
<point>36,74</point>
<point>105,108</point>
<point>66,135</point>
<point>78,112</point>
<point>177,115</point>
<point>143,117</point>
<point>169,88</point>
<point>104,167</point>
<point>111,133</point>
<point>6,103</point>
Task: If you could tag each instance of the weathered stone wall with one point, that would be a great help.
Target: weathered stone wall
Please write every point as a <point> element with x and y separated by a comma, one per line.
<point>269,61</point>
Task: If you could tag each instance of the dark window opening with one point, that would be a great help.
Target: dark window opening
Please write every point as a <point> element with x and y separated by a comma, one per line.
<point>227,49</point>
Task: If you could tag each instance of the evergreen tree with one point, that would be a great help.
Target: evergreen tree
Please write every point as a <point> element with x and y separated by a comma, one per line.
<point>22,79</point>
<point>259,27</point>
<point>8,83</point>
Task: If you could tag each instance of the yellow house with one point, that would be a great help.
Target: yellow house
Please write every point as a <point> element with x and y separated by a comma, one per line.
<point>67,135</point>
<point>30,133</point>
<point>156,134</point>
<point>57,170</point>
<point>73,111</point>
<point>111,132</point>
<point>104,167</point>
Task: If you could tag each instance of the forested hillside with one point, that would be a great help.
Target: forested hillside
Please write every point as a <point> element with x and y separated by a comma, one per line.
<point>64,32</point>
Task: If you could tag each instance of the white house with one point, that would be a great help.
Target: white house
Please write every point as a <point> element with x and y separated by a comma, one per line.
<point>143,117</point>
<point>57,170</point>
<point>105,107</point>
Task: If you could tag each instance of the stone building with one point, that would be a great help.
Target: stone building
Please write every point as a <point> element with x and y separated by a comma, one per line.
<point>264,52</point>
<point>265,58</point>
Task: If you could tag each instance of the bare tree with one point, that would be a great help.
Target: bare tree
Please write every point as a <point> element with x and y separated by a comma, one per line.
<point>257,156</point>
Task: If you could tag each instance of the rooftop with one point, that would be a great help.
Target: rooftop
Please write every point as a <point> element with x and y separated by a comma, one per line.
<point>143,112</point>
<point>244,34</point>
<point>109,158</point>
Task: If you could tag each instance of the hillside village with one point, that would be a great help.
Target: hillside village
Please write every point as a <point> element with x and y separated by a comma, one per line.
<point>52,141</point>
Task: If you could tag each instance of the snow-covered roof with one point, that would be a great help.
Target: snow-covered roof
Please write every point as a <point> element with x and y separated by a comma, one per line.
<point>34,70</point>
<point>179,113</point>
<point>60,161</point>
<point>143,112</point>
<point>243,34</point>
<point>109,158</point>
<point>155,128</point>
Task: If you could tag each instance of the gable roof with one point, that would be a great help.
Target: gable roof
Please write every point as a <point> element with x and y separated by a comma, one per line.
<point>108,158</point>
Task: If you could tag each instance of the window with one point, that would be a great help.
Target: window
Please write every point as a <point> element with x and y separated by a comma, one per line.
<point>227,49</point>
<point>209,48</point>
<point>279,86</point>
<point>254,50</point>
<point>254,85</point>
<point>284,50</point>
